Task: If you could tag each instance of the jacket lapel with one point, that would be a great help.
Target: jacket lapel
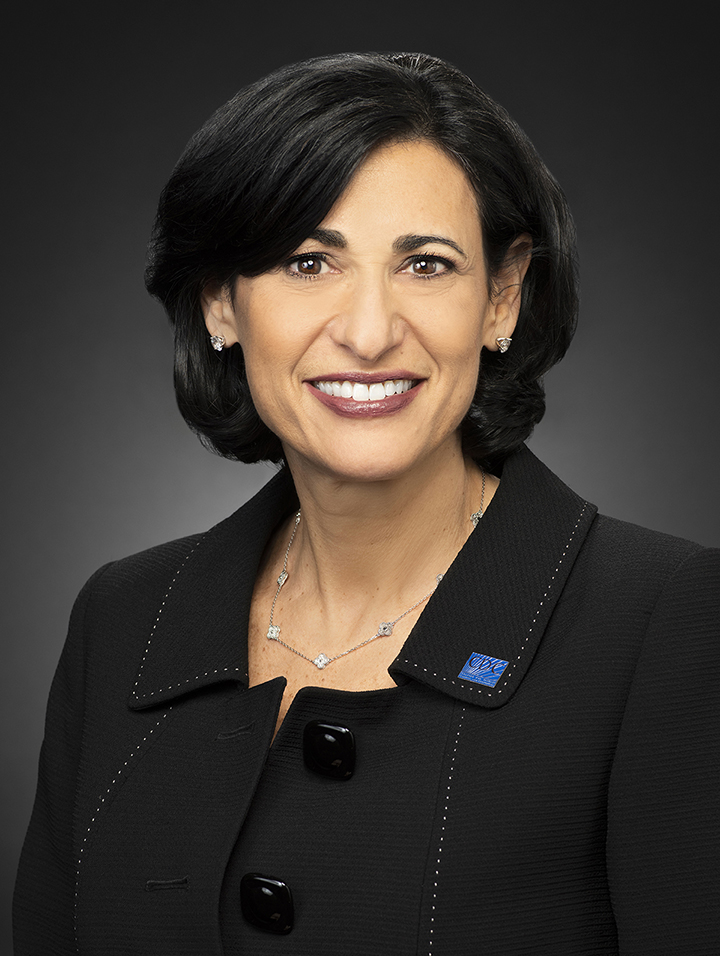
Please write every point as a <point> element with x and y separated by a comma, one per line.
<point>199,636</point>
<point>488,615</point>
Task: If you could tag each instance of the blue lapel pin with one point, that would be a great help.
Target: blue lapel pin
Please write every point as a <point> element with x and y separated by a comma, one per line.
<point>483,669</point>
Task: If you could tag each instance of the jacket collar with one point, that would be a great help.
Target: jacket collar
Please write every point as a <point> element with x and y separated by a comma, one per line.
<point>199,634</point>
<point>489,613</point>
<point>491,607</point>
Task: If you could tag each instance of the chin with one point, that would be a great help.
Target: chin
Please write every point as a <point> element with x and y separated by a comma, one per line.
<point>374,451</point>
<point>364,472</point>
<point>370,461</point>
<point>354,468</point>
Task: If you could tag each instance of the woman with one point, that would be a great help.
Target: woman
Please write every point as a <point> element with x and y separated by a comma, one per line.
<point>416,696</point>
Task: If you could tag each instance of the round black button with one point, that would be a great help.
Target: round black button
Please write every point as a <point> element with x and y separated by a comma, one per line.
<point>266,903</point>
<point>329,749</point>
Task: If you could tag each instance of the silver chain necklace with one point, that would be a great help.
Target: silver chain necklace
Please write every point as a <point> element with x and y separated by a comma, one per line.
<point>386,627</point>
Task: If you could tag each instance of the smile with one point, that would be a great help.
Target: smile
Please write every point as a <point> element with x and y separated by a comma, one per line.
<point>360,392</point>
<point>363,400</point>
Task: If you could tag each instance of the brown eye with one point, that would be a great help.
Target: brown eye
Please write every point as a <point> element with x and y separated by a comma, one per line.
<point>306,266</point>
<point>425,267</point>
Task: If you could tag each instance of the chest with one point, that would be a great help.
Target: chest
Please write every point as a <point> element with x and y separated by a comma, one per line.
<point>453,814</point>
<point>436,829</point>
<point>358,669</point>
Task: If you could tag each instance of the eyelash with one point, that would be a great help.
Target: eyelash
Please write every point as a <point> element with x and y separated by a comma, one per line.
<point>306,257</point>
<point>322,257</point>
<point>448,263</point>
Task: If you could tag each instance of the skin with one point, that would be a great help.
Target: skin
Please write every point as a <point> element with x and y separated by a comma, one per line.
<point>386,500</point>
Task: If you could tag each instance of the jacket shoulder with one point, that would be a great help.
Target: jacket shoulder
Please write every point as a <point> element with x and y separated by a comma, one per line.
<point>625,573</point>
<point>620,547</point>
<point>147,570</point>
<point>127,593</point>
<point>631,540</point>
<point>148,574</point>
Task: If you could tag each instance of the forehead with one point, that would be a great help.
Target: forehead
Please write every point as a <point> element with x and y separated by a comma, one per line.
<point>416,182</point>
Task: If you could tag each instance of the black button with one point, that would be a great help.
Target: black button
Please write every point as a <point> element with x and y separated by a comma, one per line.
<point>329,750</point>
<point>266,903</point>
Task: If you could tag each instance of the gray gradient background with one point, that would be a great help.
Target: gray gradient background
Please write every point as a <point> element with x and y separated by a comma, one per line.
<point>101,100</point>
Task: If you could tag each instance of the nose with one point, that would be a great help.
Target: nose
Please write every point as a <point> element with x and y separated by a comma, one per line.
<point>368,322</point>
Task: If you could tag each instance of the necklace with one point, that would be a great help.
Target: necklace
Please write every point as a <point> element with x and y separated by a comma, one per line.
<point>477,515</point>
<point>386,627</point>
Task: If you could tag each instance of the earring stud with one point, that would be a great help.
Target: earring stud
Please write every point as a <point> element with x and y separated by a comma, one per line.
<point>217,342</point>
<point>503,344</point>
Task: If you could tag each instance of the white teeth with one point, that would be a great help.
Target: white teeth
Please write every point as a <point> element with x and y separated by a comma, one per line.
<point>359,392</point>
<point>377,391</point>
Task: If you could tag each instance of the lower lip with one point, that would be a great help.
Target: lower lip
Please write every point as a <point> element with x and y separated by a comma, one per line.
<point>348,408</point>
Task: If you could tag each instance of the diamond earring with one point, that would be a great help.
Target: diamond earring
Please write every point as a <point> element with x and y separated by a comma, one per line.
<point>503,344</point>
<point>217,342</point>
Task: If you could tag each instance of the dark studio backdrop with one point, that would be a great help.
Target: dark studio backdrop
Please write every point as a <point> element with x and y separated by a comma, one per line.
<point>100,100</point>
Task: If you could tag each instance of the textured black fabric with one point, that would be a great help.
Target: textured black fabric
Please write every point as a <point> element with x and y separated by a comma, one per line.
<point>570,809</point>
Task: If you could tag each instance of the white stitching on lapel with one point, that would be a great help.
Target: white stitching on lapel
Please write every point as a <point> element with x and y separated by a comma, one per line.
<point>157,621</point>
<point>482,690</point>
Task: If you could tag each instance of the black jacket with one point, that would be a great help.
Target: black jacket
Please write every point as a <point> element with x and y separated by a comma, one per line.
<point>561,799</point>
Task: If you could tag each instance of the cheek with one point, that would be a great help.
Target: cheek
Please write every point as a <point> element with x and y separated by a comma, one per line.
<point>463,342</point>
<point>253,313</point>
<point>271,347</point>
<point>461,338</point>
<point>274,328</point>
<point>260,355</point>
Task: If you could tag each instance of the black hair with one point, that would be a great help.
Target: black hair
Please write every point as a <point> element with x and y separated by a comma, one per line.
<point>266,169</point>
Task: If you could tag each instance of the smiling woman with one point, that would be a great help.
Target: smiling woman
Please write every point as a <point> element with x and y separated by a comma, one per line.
<point>391,298</point>
<point>256,184</point>
<point>416,696</point>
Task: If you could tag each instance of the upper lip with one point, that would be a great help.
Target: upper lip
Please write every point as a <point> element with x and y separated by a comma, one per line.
<point>366,378</point>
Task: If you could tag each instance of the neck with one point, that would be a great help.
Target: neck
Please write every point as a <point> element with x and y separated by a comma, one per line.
<point>382,542</point>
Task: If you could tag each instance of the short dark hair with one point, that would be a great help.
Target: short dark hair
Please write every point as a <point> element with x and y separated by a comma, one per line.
<point>266,169</point>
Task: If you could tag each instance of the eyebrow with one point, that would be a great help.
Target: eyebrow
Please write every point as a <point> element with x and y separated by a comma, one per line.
<point>335,239</point>
<point>329,237</point>
<point>408,243</point>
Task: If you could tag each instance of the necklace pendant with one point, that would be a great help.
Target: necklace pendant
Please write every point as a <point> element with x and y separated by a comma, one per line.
<point>475,518</point>
<point>385,628</point>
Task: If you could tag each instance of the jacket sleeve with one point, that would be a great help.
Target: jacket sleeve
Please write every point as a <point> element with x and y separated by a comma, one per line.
<point>43,907</point>
<point>664,798</point>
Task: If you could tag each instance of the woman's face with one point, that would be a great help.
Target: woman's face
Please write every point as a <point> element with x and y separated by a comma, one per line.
<point>362,350</point>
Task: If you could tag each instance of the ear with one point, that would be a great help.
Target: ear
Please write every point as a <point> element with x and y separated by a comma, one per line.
<point>507,292</point>
<point>219,312</point>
